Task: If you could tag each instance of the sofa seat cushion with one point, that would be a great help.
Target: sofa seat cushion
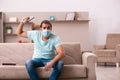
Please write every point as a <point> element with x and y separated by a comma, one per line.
<point>13,72</point>
<point>107,59</point>
<point>106,53</point>
<point>19,72</point>
<point>74,71</point>
<point>69,71</point>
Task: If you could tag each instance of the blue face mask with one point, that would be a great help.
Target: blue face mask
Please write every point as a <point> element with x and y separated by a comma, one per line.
<point>46,33</point>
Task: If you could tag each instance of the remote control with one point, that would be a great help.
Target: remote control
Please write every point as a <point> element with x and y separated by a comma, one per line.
<point>30,18</point>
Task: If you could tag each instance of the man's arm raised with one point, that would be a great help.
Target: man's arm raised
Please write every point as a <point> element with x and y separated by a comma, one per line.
<point>19,30</point>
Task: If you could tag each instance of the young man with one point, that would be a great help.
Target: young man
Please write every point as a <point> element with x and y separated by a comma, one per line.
<point>48,50</point>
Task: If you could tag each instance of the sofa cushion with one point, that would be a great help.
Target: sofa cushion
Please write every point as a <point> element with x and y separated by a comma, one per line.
<point>106,53</point>
<point>19,52</point>
<point>74,71</point>
<point>13,72</point>
<point>69,71</point>
<point>19,72</point>
<point>72,53</point>
<point>112,40</point>
<point>15,52</point>
<point>106,59</point>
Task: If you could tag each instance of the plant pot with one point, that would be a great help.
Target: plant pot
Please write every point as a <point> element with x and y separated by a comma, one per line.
<point>9,31</point>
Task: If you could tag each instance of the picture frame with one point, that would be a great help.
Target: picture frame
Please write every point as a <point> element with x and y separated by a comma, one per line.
<point>13,19</point>
<point>70,16</point>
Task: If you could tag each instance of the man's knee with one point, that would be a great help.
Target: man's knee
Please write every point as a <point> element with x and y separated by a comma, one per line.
<point>60,64</point>
<point>29,63</point>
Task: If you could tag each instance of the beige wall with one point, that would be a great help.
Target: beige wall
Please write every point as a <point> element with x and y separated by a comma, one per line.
<point>68,31</point>
<point>104,14</point>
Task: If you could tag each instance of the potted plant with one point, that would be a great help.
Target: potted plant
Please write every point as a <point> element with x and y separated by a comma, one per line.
<point>8,29</point>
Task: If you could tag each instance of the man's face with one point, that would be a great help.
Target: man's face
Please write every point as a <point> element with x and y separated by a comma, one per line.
<point>46,27</point>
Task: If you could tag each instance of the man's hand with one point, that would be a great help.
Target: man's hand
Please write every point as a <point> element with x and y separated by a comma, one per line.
<point>49,65</point>
<point>24,19</point>
<point>59,56</point>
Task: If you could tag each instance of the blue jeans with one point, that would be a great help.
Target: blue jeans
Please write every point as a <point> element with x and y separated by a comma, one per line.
<point>32,64</point>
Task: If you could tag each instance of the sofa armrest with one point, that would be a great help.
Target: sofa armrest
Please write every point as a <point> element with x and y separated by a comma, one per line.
<point>117,48</point>
<point>89,60</point>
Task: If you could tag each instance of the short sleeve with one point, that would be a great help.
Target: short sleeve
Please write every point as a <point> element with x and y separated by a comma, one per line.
<point>57,41</point>
<point>31,34</point>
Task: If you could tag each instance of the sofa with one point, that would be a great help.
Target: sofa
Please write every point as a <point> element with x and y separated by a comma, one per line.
<point>77,65</point>
<point>110,51</point>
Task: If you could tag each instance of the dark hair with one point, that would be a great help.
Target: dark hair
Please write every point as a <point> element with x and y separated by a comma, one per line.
<point>45,22</point>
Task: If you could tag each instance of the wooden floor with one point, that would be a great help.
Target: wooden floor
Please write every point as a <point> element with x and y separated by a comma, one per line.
<point>108,73</point>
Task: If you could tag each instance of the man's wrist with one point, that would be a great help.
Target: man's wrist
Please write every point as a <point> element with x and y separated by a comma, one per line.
<point>52,61</point>
<point>22,23</point>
